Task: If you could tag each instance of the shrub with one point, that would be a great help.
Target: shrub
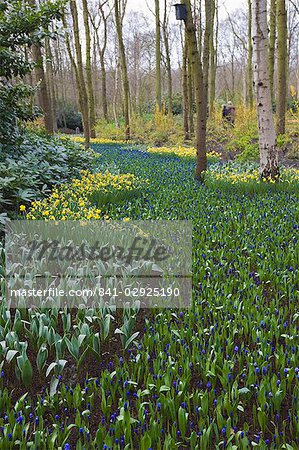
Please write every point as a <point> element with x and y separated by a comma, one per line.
<point>108,130</point>
<point>22,25</point>
<point>177,104</point>
<point>244,135</point>
<point>68,117</point>
<point>15,107</point>
<point>249,153</point>
<point>37,127</point>
<point>155,129</point>
<point>28,172</point>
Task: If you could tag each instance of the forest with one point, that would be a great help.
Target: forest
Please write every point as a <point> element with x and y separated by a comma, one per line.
<point>162,137</point>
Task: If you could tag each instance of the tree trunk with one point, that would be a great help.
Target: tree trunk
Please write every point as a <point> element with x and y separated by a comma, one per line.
<point>201,162</point>
<point>43,94</point>
<point>190,99</point>
<point>213,57</point>
<point>59,69</point>
<point>104,88</point>
<point>282,64</point>
<point>199,28</point>
<point>185,92</point>
<point>125,79</point>
<point>206,50</point>
<point>158,57</point>
<point>168,60</point>
<point>83,98</point>
<point>50,82</point>
<point>249,64</point>
<point>272,42</point>
<point>90,93</point>
<point>232,64</point>
<point>268,151</point>
<point>116,121</point>
<point>102,51</point>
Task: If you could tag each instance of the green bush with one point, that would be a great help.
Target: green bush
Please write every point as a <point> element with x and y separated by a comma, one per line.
<point>239,143</point>
<point>15,108</point>
<point>247,147</point>
<point>22,25</point>
<point>68,117</point>
<point>177,104</point>
<point>249,153</point>
<point>155,130</point>
<point>28,172</point>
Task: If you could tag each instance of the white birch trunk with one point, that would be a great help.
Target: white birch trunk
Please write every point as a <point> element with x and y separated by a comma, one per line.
<point>267,137</point>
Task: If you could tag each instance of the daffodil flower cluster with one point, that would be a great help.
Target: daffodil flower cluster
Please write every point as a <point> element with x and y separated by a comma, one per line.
<point>187,152</point>
<point>81,140</point>
<point>235,176</point>
<point>74,200</point>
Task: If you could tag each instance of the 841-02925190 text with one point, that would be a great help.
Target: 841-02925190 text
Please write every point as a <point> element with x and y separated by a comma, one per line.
<point>141,292</point>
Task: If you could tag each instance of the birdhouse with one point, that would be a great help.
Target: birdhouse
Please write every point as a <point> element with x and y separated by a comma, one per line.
<point>180,11</point>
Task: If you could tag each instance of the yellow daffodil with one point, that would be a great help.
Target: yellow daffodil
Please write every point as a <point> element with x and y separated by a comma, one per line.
<point>74,200</point>
<point>81,140</point>
<point>187,152</point>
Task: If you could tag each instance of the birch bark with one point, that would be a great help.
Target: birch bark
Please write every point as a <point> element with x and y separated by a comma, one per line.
<point>267,139</point>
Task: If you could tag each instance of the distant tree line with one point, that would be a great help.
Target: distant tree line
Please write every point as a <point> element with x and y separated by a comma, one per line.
<point>110,63</point>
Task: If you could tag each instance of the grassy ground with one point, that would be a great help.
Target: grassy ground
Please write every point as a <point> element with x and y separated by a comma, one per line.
<point>223,374</point>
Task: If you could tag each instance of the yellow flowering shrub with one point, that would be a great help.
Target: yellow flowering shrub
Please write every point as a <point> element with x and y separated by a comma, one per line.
<point>188,152</point>
<point>75,200</point>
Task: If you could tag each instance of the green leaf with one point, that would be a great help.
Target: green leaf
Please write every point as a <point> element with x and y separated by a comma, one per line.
<point>50,368</point>
<point>145,442</point>
<point>164,388</point>
<point>10,355</point>
<point>41,357</point>
<point>118,331</point>
<point>53,386</point>
<point>27,373</point>
<point>131,339</point>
